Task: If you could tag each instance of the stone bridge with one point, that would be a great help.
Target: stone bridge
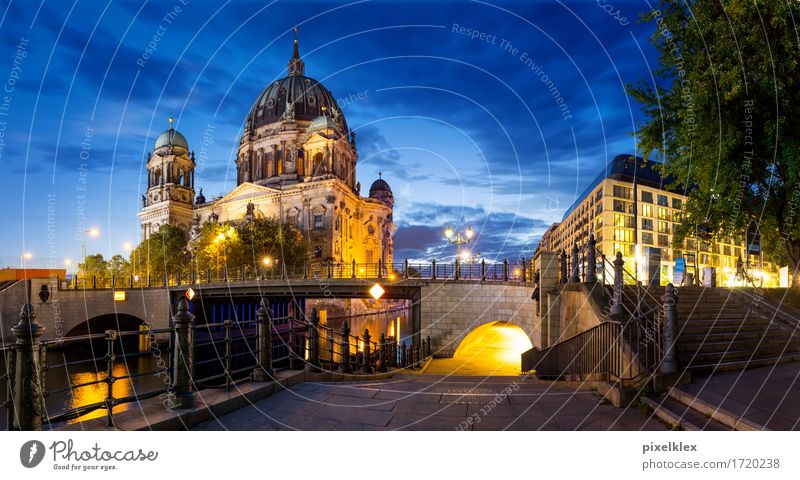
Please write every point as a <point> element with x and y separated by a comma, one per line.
<point>444,310</point>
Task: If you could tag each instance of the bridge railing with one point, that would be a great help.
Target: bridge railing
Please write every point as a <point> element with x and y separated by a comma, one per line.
<point>210,355</point>
<point>637,333</point>
<point>505,271</point>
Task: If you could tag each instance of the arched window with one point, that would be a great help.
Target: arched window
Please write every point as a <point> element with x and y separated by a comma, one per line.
<point>317,164</point>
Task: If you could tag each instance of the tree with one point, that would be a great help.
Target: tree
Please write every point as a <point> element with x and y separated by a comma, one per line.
<point>94,266</point>
<point>163,253</point>
<point>118,266</point>
<point>723,112</point>
<point>247,244</point>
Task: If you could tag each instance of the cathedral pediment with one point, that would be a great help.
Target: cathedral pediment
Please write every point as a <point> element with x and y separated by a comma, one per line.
<point>246,191</point>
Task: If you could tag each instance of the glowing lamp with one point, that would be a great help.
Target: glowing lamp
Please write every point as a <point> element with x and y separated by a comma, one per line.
<point>119,296</point>
<point>448,232</point>
<point>376,291</point>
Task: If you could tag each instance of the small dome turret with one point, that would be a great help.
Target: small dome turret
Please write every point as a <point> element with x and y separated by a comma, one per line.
<point>381,191</point>
<point>171,138</point>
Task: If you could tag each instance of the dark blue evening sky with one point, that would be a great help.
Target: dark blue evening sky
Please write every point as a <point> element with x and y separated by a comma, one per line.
<point>468,131</point>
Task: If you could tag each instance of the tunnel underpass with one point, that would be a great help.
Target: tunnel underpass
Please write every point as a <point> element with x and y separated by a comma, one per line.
<point>493,348</point>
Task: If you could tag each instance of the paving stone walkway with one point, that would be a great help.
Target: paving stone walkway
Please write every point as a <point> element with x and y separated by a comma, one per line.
<point>768,396</point>
<point>433,402</point>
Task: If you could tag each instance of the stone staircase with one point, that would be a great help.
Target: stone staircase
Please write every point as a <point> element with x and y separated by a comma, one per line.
<point>720,332</point>
<point>683,411</point>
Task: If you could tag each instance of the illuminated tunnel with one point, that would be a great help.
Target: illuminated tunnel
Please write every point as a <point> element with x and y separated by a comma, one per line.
<point>493,348</point>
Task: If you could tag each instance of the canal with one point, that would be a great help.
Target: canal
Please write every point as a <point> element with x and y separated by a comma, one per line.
<point>65,382</point>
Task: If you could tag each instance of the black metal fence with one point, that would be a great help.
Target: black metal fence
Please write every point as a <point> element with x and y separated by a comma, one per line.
<point>519,271</point>
<point>210,355</point>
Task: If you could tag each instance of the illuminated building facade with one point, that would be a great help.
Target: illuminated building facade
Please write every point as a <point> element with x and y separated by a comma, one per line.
<point>628,209</point>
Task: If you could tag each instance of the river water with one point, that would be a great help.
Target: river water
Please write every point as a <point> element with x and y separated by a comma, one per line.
<point>61,378</point>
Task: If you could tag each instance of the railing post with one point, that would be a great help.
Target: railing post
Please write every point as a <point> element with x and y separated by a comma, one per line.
<point>208,275</point>
<point>182,395</point>
<point>113,281</point>
<point>194,276</point>
<point>178,279</point>
<point>433,269</point>
<point>228,326</point>
<point>353,274</point>
<point>345,365</point>
<point>366,352</point>
<point>403,355</point>
<point>305,270</point>
<point>380,268</point>
<point>94,281</point>
<point>241,273</point>
<point>483,269</point>
<point>616,304</point>
<point>505,270</point>
<point>28,396</point>
<point>563,278</point>
<point>524,269</point>
<point>263,371</point>
<point>382,353</point>
<point>313,342</point>
<point>405,267</point>
<point>669,363</point>
<point>328,269</point>
<point>111,337</point>
<point>591,260</point>
<point>457,269</point>
<point>575,275</point>
<point>131,282</point>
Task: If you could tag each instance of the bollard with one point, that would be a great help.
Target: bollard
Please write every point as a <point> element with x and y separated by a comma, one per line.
<point>670,300</point>
<point>28,396</point>
<point>263,371</point>
<point>345,365</point>
<point>313,342</point>
<point>382,353</point>
<point>591,260</point>
<point>575,274</point>
<point>182,395</point>
<point>366,352</point>
<point>616,303</point>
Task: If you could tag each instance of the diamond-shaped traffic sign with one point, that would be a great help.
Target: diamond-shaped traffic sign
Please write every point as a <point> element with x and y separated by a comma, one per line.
<point>376,291</point>
<point>190,293</point>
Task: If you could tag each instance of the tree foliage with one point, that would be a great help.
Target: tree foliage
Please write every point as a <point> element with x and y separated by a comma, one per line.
<point>163,253</point>
<point>723,111</point>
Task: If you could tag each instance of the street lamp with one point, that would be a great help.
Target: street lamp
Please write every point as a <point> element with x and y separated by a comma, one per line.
<point>93,232</point>
<point>458,239</point>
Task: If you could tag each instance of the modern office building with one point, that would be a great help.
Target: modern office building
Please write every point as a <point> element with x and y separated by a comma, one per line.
<point>629,210</point>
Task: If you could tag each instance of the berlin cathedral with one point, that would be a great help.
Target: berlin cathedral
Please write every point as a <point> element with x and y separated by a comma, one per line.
<point>296,161</point>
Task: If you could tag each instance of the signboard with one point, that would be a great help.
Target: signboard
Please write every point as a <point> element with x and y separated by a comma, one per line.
<point>679,271</point>
<point>709,277</point>
<point>753,238</point>
<point>652,257</point>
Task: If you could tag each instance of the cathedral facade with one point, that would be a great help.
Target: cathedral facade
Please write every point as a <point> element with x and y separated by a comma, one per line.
<point>296,161</point>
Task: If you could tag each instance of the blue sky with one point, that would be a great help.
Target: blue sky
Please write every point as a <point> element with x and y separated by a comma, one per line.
<point>499,132</point>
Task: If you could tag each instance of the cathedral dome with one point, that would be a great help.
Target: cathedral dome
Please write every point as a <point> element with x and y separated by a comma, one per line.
<point>381,191</point>
<point>171,138</point>
<point>304,96</point>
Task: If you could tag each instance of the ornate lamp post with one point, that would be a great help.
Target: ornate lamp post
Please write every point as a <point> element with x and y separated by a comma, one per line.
<point>458,239</point>
<point>92,232</point>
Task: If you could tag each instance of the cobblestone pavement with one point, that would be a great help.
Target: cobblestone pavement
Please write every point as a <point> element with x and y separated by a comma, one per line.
<point>432,402</point>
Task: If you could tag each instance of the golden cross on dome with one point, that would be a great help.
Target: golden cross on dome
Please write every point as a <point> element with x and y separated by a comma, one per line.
<point>170,121</point>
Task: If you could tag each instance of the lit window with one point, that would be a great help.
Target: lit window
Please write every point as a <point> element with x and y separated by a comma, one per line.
<point>647,211</point>
<point>622,192</point>
<point>318,221</point>
<point>662,213</point>
<point>663,227</point>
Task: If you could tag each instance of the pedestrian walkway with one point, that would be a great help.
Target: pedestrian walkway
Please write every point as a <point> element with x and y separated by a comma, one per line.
<point>767,396</point>
<point>431,402</point>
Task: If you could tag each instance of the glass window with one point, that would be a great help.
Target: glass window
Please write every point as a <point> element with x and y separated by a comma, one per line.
<point>626,250</point>
<point>647,211</point>
<point>647,238</point>
<point>663,201</point>
<point>622,192</point>
<point>599,194</point>
<point>690,244</point>
<point>647,224</point>
<point>621,220</point>
<point>318,221</point>
<point>622,235</point>
<point>663,241</point>
<point>662,213</point>
<point>663,227</point>
<point>677,203</point>
<point>624,207</point>
<point>647,197</point>
<point>317,252</point>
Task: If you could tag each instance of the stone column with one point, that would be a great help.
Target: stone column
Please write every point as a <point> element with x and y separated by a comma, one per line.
<point>616,304</point>
<point>670,330</point>
<point>181,388</point>
<point>263,371</point>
